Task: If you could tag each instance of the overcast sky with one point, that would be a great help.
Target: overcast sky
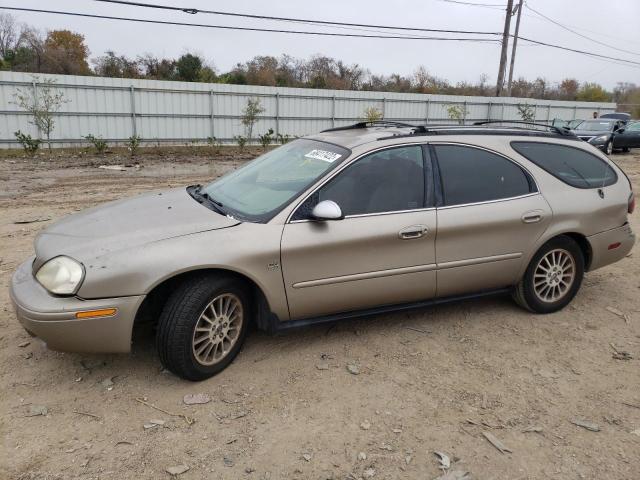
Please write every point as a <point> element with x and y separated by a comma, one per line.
<point>614,22</point>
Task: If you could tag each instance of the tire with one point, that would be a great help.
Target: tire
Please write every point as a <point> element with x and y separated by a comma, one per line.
<point>625,149</point>
<point>215,305</point>
<point>531,294</point>
<point>608,148</point>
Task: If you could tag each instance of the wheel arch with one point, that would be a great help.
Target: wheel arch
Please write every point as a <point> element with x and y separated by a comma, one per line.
<point>579,238</point>
<point>150,308</point>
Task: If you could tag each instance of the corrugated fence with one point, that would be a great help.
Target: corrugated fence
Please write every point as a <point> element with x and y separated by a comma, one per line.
<point>180,112</point>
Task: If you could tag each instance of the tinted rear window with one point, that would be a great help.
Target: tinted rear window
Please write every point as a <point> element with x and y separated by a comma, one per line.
<point>573,166</point>
<point>471,175</point>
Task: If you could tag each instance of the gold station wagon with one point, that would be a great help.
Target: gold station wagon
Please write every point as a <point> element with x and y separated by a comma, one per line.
<point>353,221</point>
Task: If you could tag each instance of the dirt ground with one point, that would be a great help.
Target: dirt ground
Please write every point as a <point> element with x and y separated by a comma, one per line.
<point>432,380</point>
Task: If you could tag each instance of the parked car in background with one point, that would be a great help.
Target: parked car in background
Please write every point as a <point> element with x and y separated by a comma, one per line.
<point>570,124</point>
<point>627,137</point>
<point>625,117</point>
<point>359,220</point>
<point>599,132</point>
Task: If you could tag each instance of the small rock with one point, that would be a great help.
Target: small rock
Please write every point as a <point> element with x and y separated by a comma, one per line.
<point>445,461</point>
<point>384,446</point>
<point>532,429</point>
<point>153,424</point>
<point>322,366</point>
<point>24,344</point>
<point>196,399</point>
<point>369,473</point>
<point>586,425</point>
<point>365,425</point>
<point>307,457</point>
<point>37,410</point>
<point>408,459</point>
<point>353,369</point>
<point>249,470</point>
<point>397,430</point>
<point>228,462</point>
<point>177,470</point>
<point>636,432</point>
<point>455,475</point>
<point>107,383</point>
<point>362,456</point>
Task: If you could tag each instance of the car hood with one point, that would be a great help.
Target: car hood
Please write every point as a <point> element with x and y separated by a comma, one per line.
<point>590,133</point>
<point>126,224</point>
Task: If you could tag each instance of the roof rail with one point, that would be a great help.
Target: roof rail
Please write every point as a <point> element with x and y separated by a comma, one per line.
<point>560,131</point>
<point>374,123</point>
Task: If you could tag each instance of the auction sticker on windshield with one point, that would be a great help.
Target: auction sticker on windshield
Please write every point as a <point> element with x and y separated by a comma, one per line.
<point>323,155</point>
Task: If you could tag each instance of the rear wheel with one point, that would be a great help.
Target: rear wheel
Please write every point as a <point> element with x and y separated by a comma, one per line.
<point>553,277</point>
<point>202,326</point>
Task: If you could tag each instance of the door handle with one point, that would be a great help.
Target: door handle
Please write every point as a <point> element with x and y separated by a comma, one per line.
<point>414,231</point>
<point>532,217</point>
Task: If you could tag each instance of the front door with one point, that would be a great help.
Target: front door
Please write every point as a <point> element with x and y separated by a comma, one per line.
<point>381,253</point>
<point>491,215</point>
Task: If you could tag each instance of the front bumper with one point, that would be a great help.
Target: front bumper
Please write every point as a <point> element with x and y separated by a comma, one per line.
<point>610,246</point>
<point>53,319</point>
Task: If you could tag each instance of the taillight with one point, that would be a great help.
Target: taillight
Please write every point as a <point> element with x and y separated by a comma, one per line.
<point>632,203</point>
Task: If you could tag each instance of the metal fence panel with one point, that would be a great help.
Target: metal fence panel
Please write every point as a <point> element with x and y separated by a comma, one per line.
<point>182,112</point>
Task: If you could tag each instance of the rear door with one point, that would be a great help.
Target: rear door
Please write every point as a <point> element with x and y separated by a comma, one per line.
<point>490,214</point>
<point>381,253</point>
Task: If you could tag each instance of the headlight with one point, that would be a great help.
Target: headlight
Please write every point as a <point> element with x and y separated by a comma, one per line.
<point>61,275</point>
<point>600,139</point>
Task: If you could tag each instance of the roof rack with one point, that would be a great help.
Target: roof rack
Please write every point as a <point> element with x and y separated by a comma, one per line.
<point>375,123</point>
<point>559,130</point>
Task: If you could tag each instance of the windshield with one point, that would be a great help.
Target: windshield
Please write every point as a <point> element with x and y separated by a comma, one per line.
<point>260,189</point>
<point>596,125</point>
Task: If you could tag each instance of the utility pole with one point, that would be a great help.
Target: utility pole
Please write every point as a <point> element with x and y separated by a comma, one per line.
<point>505,47</point>
<point>513,48</point>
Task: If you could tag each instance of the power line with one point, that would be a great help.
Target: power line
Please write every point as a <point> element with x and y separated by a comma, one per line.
<point>330,34</point>
<point>583,52</point>
<point>327,22</point>
<point>496,6</point>
<point>250,29</point>
<point>565,27</point>
<point>194,11</point>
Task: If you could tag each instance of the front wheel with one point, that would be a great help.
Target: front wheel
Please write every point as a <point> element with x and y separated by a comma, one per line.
<point>202,326</point>
<point>553,277</point>
<point>608,148</point>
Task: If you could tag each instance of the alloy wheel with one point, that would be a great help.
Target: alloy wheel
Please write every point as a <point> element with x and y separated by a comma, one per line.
<point>554,275</point>
<point>217,329</point>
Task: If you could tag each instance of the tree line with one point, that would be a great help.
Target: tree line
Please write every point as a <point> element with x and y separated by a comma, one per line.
<point>26,49</point>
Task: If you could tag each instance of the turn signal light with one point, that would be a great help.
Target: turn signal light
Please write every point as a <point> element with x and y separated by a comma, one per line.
<point>104,312</point>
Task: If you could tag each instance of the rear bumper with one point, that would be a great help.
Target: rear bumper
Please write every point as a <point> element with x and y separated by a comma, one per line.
<point>610,246</point>
<point>53,319</point>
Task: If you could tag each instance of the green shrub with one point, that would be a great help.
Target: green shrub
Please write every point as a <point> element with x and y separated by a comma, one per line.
<point>282,139</point>
<point>214,143</point>
<point>30,145</point>
<point>132,144</point>
<point>98,143</point>
<point>372,114</point>
<point>266,139</point>
<point>241,141</point>
<point>527,112</point>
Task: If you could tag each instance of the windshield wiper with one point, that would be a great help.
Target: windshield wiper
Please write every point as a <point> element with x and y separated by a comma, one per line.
<point>202,197</point>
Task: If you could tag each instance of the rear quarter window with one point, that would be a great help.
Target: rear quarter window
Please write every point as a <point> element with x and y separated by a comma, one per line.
<point>573,166</point>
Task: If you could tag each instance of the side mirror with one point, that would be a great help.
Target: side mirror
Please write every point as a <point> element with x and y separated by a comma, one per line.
<point>620,130</point>
<point>327,210</point>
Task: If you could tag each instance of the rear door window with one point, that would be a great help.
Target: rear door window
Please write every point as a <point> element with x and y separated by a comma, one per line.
<point>472,175</point>
<point>574,166</point>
